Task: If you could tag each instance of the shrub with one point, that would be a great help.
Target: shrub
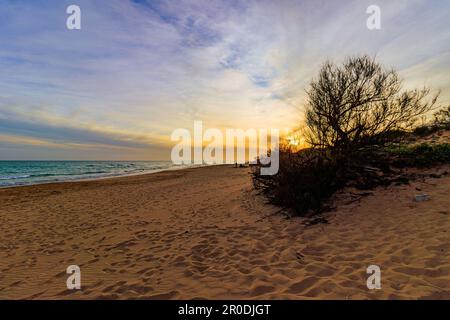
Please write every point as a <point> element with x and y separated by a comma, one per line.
<point>422,155</point>
<point>304,181</point>
<point>353,112</point>
<point>442,118</point>
<point>441,121</point>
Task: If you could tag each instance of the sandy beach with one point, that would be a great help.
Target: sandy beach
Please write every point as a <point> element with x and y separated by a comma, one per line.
<point>205,233</point>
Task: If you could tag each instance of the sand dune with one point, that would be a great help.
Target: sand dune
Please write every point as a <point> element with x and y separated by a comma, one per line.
<point>204,233</point>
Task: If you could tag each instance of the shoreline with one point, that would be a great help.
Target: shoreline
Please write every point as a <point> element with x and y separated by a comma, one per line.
<point>104,177</point>
<point>204,233</point>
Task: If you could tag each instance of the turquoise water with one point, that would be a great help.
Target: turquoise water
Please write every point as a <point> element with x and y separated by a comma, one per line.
<point>15,173</point>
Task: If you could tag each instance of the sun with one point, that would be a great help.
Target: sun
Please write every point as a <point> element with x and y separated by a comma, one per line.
<point>293,141</point>
<point>296,141</point>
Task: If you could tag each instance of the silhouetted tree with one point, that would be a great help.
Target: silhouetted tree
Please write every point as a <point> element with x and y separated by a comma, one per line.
<point>360,103</point>
<point>353,113</point>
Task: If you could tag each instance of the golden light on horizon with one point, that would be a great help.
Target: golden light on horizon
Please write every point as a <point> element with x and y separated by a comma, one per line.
<point>296,142</point>
<point>293,141</point>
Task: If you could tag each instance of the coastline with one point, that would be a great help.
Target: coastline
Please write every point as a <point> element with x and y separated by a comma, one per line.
<point>112,176</point>
<point>205,233</point>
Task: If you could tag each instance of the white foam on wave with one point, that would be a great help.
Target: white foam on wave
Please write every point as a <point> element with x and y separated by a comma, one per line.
<point>14,177</point>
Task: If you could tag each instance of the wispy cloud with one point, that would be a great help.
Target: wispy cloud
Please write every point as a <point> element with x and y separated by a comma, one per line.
<point>139,69</point>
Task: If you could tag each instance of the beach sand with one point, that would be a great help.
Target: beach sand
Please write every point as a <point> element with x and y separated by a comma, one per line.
<point>204,233</point>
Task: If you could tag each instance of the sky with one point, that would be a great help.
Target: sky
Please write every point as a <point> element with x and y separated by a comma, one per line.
<point>138,70</point>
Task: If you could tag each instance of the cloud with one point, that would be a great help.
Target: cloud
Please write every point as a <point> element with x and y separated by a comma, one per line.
<point>139,69</point>
<point>62,131</point>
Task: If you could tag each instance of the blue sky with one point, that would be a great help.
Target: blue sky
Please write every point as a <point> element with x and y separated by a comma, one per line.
<point>137,70</point>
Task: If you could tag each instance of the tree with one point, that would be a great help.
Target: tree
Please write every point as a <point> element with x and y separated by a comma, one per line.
<point>359,104</point>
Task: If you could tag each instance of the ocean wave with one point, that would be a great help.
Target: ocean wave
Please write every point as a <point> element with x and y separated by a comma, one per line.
<point>37,173</point>
<point>90,172</point>
<point>62,174</point>
<point>43,175</point>
<point>23,176</point>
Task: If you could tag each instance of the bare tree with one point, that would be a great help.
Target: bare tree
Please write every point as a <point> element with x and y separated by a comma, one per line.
<point>360,103</point>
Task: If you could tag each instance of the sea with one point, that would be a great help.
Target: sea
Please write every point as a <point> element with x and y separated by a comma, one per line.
<point>19,173</point>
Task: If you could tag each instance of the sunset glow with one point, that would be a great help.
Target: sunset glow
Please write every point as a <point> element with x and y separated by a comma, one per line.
<point>137,70</point>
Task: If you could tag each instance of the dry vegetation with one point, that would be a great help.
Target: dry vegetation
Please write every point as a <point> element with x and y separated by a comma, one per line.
<point>360,126</point>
